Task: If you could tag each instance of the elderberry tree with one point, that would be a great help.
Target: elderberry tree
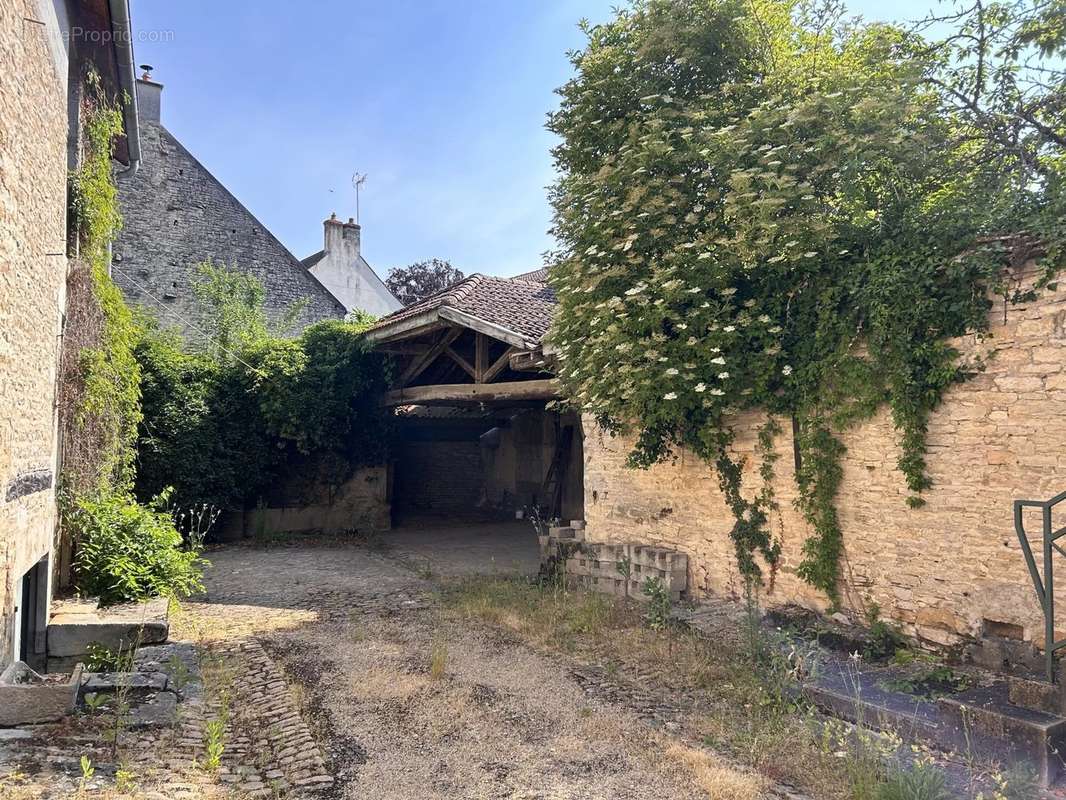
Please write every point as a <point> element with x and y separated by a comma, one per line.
<point>765,205</point>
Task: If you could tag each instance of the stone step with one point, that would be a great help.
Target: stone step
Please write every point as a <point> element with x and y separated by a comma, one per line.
<point>986,721</point>
<point>1038,695</point>
<point>75,624</point>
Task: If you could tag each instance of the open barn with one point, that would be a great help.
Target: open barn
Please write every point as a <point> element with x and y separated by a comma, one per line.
<point>478,438</point>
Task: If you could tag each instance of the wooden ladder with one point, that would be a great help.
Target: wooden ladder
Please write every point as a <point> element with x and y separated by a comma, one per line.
<point>552,489</point>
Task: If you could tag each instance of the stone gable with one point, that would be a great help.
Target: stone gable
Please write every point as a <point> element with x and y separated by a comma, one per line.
<point>176,214</point>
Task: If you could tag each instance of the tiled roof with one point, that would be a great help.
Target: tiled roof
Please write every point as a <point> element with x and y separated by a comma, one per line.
<point>524,308</point>
<point>313,259</point>
<point>536,276</point>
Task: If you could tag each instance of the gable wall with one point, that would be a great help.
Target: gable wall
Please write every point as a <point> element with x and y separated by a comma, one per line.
<point>355,285</point>
<point>176,215</point>
<point>944,572</point>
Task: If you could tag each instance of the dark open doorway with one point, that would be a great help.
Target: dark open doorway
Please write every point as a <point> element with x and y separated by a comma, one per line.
<point>470,465</point>
<point>33,613</point>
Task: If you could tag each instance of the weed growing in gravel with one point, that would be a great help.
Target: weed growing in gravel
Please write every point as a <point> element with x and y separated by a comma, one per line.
<point>214,744</point>
<point>125,780</point>
<point>438,661</point>
<point>87,771</point>
<point>658,612</point>
<point>218,686</point>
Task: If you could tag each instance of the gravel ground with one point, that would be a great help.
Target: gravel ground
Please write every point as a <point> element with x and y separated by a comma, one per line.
<point>357,631</point>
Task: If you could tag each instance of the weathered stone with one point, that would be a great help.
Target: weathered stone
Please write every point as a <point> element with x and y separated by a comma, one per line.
<point>76,625</point>
<point>135,682</point>
<point>159,712</point>
<point>33,203</point>
<point>176,215</point>
<point>26,698</point>
<point>993,440</point>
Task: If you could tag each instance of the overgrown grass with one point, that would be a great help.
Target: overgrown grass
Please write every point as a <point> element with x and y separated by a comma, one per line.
<point>741,695</point>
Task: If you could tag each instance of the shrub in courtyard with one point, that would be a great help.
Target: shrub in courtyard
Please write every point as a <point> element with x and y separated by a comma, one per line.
<point>226,419</point>
<point>127,551</point>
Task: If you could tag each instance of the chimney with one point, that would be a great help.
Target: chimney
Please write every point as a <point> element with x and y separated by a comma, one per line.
<point>352,234</point>
<point>342,239</point>
<point>148,99</point>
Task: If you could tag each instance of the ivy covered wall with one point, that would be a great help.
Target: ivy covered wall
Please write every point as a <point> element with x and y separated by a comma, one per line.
<point>944,571</point>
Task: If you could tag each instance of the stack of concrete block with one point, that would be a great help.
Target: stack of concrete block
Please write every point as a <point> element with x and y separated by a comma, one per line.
<point>597,567</point>
<point>560,537</point>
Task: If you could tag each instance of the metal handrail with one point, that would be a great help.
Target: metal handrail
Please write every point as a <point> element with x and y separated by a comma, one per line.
<point>1045,587</point>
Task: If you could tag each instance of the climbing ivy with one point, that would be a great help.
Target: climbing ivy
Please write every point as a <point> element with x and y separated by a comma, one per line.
<point>104,395</point>
<point>763,206</point>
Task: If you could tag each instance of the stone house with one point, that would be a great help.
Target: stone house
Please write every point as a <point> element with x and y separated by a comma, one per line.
<point>46,48</point>
<point>176,214</point>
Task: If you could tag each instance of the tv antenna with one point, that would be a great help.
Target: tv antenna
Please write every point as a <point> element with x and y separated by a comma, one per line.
<point>357,182</point>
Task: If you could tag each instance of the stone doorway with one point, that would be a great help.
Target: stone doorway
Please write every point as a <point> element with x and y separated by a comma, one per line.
<point>33,615</point>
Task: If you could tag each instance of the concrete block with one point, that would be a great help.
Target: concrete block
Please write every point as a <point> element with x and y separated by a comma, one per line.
<point>27,698</point>
<point>1005,731</point>
<point>658,557</point>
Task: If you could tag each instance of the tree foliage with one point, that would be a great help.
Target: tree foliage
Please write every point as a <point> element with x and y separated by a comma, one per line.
<point>763,205</point>
<point>422,279</point>
<point>226,419</point>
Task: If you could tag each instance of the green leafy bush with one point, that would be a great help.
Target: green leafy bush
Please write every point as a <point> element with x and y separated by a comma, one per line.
<point>127,551</point>
<point>226,420</point>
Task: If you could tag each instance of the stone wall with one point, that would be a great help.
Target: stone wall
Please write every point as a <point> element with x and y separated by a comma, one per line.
<point>176,215</point>
<point>360,504</point>
<point>33,164</point>
<point>950,570</point>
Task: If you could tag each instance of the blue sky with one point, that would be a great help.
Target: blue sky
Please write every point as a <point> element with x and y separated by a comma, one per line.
<point>441,102</point>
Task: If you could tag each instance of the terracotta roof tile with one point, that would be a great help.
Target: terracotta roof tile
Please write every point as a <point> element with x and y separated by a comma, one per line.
<point>522,307</point>
<point>536,276</point>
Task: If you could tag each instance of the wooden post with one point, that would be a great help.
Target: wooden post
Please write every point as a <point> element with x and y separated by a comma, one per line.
<point>481,357</point>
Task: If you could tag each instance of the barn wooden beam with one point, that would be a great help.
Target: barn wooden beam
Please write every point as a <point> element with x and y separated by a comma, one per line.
<point>491,329</point>
<point>403,349</point>
<point>499,365</point>
<point>462,362</point>
<point>419,363</point>
<point>530,361</point>
<point>460,393</point>
<point>481,357</point>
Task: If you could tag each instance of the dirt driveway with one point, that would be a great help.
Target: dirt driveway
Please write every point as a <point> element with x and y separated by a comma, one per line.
<point>401,700</point>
